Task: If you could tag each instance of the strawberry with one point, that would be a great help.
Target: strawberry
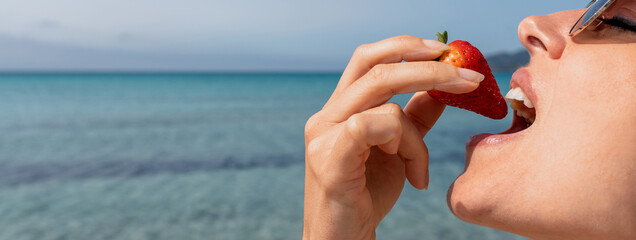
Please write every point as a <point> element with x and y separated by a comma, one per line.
<point>486,99</point>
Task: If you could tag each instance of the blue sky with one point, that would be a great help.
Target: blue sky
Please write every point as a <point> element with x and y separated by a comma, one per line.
<point>212,35</point>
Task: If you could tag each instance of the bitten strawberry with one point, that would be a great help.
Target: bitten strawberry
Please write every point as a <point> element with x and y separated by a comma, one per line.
<point>486,99</point>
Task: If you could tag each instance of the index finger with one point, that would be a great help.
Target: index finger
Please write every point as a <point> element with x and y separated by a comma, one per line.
<point>390,50</point>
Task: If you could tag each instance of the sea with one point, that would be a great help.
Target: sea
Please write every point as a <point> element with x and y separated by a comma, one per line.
<point>190,156</point>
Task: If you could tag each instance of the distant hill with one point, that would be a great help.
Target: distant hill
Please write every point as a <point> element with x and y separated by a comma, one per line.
<point>508,62</point>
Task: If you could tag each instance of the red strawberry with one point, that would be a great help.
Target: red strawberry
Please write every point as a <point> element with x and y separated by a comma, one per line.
<point>486,99</point>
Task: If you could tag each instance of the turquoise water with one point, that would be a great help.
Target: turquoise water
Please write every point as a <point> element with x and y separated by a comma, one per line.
<point>189,156</point>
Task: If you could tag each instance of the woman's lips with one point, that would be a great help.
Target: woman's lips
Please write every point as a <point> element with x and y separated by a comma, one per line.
<point>515,130</point>
<point>520,78</point>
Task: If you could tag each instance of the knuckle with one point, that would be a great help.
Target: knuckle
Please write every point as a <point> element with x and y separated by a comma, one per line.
<point>356,127</point>
<point>318,151</point>
<point>376,79</point>
<point>377,74</point>
<point>432,68</point>
<point>313,147</point>
<point>361,50</point>
<point>403,39</point>
<point>394,108</point>
<point>394,114</point>
<point>310,124</point>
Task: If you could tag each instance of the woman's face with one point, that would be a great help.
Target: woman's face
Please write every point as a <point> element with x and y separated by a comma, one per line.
<point>573,171</point>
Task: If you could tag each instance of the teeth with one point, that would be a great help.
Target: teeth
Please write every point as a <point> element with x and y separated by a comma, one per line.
<point>526,115</point>
<point>518,95</point>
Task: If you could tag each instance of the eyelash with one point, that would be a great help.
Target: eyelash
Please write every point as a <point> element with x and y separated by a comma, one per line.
<point>617,24</point>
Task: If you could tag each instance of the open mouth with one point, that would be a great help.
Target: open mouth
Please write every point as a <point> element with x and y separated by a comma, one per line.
<point>524,111</point>
<point>523,101</point>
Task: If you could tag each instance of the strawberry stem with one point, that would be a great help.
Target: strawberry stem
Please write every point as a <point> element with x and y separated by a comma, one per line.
<point>442,37</point>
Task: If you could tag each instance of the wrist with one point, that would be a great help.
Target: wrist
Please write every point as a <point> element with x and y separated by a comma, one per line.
<point>332,220</point>
<point>307,235</point>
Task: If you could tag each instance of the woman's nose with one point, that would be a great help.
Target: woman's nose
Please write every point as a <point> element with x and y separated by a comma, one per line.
<point>546,34</point>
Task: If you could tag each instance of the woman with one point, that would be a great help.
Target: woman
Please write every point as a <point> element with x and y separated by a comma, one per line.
<point>570,175</point>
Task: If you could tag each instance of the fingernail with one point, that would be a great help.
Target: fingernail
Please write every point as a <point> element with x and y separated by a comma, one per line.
<point>435,45</point>
<point>470,75</point>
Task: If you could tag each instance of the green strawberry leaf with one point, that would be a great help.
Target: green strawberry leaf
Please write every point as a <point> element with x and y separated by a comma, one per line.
<point>442,37</point>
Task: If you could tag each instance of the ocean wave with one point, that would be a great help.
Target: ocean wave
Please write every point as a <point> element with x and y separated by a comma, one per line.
<point>47,172</point>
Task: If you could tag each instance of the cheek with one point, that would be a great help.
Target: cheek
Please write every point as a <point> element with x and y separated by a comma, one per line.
<point>593,93</point>
<point>592,117</point>
<point>595,75</point>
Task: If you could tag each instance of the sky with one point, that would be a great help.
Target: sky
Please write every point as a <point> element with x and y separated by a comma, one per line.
<point>241,35</point>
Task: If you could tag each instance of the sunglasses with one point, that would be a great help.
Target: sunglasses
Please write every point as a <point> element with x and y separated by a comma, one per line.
<point>591,17</point>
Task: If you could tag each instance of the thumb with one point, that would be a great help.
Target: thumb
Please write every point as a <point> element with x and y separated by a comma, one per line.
<point>423,111</point>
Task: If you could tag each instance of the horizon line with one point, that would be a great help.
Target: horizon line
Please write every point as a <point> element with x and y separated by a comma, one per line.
<point>122,71</point>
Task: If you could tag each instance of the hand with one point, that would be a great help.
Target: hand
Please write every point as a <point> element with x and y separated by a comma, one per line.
<point>360,149</point>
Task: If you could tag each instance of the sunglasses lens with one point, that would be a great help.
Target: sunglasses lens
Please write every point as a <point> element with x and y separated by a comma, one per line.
<point>593,12</point>
<point>595,9</point>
